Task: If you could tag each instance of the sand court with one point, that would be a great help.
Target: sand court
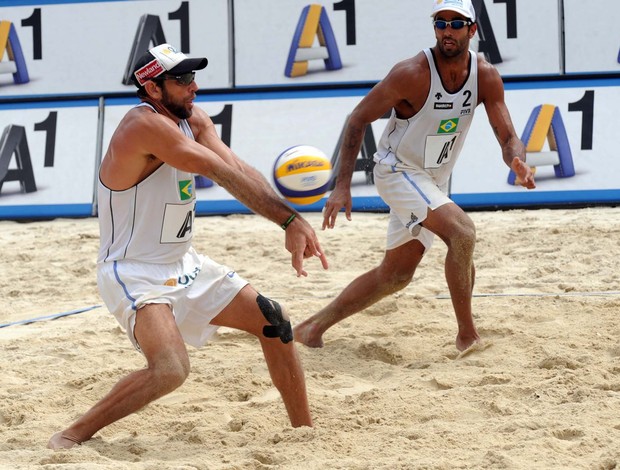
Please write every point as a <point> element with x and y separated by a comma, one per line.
<point>389,390</point>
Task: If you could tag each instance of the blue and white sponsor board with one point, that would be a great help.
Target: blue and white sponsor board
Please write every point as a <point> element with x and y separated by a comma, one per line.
<point>587,110</point>
<point>76,48</point>
<point>62,142</point>
<point>259,126</point>
<point>47,159</point>
<point>519,38</point>
<point>592,37</point>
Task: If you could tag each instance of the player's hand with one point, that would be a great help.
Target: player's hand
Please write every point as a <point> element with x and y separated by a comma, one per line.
<point>525,175</point>
<point>339,198</point>
<point>302,243</point>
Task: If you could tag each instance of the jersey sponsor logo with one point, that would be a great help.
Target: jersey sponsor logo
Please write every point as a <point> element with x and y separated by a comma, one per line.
<point>439,149</point>
<point>444,105</point>
<point>151,70</point>
<point>178,223</point>
<point>185,189</point>
<point>187,280</point>
<point>184,280</point>
<point>448,126</point>
<point>187,226</point>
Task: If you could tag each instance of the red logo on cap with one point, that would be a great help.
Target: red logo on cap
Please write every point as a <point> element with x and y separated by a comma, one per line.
<point>150,70</point>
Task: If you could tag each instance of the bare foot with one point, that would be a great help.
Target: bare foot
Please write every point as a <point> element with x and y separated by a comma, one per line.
<point>307,333</point>
<point>58,441</point>
<point>465,342</point>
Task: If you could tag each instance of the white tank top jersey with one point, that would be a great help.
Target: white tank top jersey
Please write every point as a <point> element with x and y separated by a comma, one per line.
<point>431,140</point>
<point>152,221</point>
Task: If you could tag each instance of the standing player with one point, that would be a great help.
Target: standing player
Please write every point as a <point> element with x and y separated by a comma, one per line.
<point>432,97</point>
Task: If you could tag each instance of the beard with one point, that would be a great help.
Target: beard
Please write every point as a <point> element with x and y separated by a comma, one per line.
<point>455,51</point>
<point>179,110</point>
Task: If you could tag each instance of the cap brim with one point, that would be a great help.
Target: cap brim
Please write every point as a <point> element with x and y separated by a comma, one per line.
<point>189,65</point>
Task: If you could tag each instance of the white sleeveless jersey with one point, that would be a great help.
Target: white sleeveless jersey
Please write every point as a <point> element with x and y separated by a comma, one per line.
<point>152,221</point>
<point>431,140</point>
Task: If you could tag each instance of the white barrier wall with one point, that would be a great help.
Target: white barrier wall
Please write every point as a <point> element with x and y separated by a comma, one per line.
<point>520,38</point>
<point>47,159</point>
<point>60,50</point>
<point>592,36</point>
<point>587,110</point>
<point>77,48</point>
<point>259,126</point>
<point>73,48</point>
<point>61,142</point>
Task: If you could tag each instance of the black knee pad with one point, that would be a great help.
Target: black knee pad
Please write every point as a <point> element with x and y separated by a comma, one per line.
<point>273,313</point>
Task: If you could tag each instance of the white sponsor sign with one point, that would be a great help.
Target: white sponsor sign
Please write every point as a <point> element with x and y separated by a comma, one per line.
<point>60,145</point>
<point>527,35</point>
<point>261,127</point>
<point>592,37</point>
<point>84,48</point>
<point>522,38</point>
<point>370,37</point>
<point>588,115</point>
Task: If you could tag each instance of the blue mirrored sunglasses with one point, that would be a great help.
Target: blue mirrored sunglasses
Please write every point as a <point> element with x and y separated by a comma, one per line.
<point>454,24</point>
<point>184,79</point>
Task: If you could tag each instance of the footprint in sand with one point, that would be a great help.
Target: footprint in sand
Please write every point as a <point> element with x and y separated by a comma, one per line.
<point>476,347</point>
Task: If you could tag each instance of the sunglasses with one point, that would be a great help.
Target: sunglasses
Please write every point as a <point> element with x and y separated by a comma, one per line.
<point>184,79</point>
<point>454,24</point>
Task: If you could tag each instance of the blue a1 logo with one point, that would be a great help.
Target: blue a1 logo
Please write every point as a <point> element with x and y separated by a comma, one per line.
<point>11,47</point>
<point>314,24</point>
<point>546,124</point>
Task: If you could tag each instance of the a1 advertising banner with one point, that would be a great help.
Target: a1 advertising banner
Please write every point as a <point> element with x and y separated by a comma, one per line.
<point>339,41</point>
<point>48,151</point>
<point>260,126</point>
<point>73,48</point>
<point>592,37</point>
<point>346,41</point>
<point>47,159</point>
<point>566,132</point>
<point>564,129</point>
<point>520,37</point>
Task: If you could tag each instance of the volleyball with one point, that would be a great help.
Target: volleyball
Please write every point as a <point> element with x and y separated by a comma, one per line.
<point>302,174</point>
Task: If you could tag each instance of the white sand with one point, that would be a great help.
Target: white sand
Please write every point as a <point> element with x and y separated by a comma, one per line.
<point>389,389</point>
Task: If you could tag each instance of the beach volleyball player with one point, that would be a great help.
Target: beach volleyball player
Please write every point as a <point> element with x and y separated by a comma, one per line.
<point>159,288</point>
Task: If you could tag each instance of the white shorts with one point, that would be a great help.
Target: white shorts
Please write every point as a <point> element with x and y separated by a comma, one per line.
<point>410,194</point>
<point>196,288</point>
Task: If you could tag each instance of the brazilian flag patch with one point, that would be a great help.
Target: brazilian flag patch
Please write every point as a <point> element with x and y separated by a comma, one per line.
<point>448,126</point>
<point>185,189</point>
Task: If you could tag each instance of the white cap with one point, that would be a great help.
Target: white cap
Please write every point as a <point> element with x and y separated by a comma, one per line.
<point>165,58</point>
<point>464,7</point>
